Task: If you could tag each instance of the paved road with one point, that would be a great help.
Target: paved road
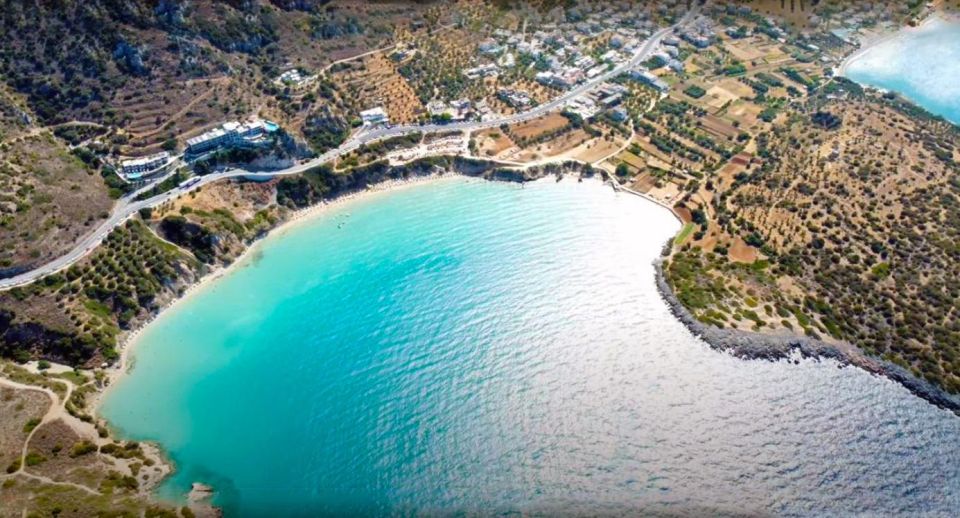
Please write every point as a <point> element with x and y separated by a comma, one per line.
<point>128,206</point>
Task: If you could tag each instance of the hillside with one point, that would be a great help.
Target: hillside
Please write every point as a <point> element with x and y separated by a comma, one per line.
<point>49,197</point>
<point>851,210</point>
<point>167,69</point>
<point>96,80</point>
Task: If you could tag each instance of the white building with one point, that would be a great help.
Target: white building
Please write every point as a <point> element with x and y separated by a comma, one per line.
<point>514,98</point>
<point>375,116</point>
<point>136,168</point>
<point>481,71</point>
<point>209,140</point>
<point>595,71</point>
<point>647,77</point>
<point>583,106</point>
<point>294,78</point>
<point>230,134</point>
<point>612,56</point>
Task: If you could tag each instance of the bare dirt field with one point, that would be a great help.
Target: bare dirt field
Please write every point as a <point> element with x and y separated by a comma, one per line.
<point>743,50</point>
<point>631,160</point>
<point>742,252</point>
<point>746,113</point>
<point>492,142</point>
<point>563,144</point>
<point>539,126</point>
<point>595,150</point>
<point>719,127</point>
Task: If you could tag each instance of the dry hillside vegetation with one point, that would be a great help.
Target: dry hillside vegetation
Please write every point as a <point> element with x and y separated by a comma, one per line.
<point>75,316</point>
<point>49,198</point>
<point>57,462</point>
<point>167,71</point>
<point>143,77</point>
<point>374,81</point>
<point>855,212</point>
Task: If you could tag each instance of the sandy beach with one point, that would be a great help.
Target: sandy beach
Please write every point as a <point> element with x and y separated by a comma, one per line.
<point>874,39</point>
<point>128,340</point>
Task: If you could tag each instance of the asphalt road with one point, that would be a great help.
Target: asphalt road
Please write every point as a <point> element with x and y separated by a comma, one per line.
<point>129,206</point>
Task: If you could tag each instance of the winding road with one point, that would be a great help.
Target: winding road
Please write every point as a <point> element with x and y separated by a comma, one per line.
<point>129,205</point>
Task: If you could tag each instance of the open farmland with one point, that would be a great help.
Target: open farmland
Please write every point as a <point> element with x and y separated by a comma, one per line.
<point>841,236</point>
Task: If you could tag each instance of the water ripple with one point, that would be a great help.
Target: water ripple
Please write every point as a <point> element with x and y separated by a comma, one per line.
<point>475,347</point>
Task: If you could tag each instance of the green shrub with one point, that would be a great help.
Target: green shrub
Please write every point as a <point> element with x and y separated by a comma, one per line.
<point>82,448</point>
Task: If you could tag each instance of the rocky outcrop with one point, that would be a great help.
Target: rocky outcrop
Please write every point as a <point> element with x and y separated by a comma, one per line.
<point>757,346</point>
<point>129,58</point>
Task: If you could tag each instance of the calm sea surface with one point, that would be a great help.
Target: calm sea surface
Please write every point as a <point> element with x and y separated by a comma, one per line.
<point>921,64</point>
<point>467,346</point>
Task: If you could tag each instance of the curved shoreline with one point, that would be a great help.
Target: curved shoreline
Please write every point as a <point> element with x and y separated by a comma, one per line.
<point>749,345</point>
<point>885,37</point>
<point>127,343</point>
<point>741,344</point>
<point>471,168</point>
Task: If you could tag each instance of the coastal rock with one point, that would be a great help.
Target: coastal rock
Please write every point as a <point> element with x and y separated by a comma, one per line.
<point>199,492</point>
<point>756,346</point>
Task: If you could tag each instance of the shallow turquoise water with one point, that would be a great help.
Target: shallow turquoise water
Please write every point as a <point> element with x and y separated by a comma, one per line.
<point>481,347</point>
<point>921,64</point>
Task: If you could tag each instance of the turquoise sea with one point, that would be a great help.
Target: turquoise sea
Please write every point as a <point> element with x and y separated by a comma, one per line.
<point>463,346</point>
<point>922,64</point>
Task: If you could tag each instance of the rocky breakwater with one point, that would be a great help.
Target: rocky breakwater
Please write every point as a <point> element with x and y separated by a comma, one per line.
<point>773,347</point>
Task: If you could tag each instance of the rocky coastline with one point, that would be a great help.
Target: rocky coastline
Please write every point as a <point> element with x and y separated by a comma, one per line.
<point>749,345</point>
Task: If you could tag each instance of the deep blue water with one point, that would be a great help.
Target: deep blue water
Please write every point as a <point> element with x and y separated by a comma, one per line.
<point>465,346</point>
<point>921,64</point>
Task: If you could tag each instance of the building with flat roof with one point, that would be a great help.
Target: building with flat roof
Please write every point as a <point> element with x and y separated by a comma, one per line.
<point>230,134</point>
<point>375,116</point>
<point>648,78</point>
<point>583,106</point>
<point>208,140</point>
<point>294,78</point>
<point>136,168</point>
<point>481,71</point>
<point>515,98</point>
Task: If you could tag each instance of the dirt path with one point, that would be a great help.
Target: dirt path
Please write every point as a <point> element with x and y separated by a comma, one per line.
<point>57,411</point>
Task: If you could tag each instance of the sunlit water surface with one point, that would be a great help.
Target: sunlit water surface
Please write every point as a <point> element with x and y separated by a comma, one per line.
<point>481,347</point>
<point>922,64</point>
